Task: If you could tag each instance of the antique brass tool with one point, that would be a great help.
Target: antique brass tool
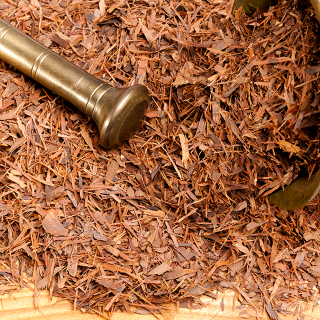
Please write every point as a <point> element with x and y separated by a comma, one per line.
<point>117,112</point>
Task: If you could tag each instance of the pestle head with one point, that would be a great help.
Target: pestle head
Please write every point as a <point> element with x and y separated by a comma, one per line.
<point>118,114</point>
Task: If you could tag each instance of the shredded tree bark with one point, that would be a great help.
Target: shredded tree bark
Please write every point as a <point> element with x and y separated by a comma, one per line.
<point>182,209</point>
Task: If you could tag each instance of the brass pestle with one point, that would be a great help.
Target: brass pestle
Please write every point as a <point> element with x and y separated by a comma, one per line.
<point>117,112</point>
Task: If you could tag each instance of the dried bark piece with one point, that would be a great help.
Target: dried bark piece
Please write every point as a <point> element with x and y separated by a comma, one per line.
<point>253,225</point>
<point>199,290</point>
<point>72,269</point>
<point>240,206</point>
<point>72,198</point>
<point>16,179</point>
<point>315,271</point>
<point>52,225</point>
<point>61,42</point>
<point>299,259</point>
<point>161,269</point>
<point>116,287</point>
<point>176,273</point>
<point>289,147</point>
<point>232,125</point>
<point>185,150</point>
<point>4,206</point>
<point>113,167</point>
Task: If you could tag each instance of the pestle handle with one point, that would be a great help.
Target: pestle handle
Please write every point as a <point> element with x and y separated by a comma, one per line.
<point>117,112</point>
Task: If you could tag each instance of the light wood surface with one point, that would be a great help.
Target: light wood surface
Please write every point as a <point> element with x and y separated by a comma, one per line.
<point>20,306</point>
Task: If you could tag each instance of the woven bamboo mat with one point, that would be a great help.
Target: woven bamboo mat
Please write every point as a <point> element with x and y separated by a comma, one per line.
<point>20,306</point>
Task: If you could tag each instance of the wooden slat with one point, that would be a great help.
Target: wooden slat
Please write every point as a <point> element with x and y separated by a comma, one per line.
<point>19,306</point>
